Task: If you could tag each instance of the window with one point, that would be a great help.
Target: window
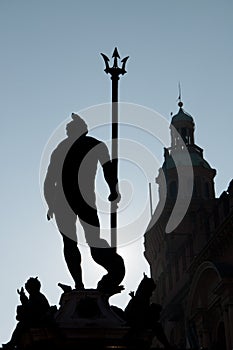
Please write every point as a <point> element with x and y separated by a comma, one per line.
<point>184,135</point>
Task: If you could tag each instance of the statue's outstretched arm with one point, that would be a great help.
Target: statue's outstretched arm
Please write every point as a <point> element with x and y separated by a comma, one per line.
<point>23,297</point>
<point>50,185</point>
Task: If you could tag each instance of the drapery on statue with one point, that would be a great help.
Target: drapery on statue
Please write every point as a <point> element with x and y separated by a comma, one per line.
<point>34,311</point>
<point>69,190</point>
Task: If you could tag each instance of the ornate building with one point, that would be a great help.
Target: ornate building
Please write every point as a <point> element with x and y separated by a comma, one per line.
<point>191,256</point>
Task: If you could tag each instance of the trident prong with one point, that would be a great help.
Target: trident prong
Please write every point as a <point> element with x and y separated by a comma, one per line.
<point>115,70</point>
<point>106,60</point>
<point>115,55</point>
<point>123,65</point>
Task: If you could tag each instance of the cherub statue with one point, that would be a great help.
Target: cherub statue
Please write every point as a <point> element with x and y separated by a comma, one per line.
<point>32,312</point>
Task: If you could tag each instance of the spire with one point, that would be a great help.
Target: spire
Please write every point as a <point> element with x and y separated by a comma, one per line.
<point>181,116</point>
<point>180,103</point>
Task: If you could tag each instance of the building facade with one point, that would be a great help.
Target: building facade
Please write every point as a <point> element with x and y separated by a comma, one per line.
<point>189,245</point>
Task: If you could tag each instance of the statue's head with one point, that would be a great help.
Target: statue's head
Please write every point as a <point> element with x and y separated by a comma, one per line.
<point>32,285</point>
<point>77,127</point>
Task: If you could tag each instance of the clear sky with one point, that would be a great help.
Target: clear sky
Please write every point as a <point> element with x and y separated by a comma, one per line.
<point>50,66</point>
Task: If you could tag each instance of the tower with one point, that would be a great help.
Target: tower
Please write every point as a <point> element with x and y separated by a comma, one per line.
<point>170,253</point>
<point>182,134</point>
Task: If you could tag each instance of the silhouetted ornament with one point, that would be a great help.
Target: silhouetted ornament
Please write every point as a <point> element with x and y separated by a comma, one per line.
<point>180,104</point>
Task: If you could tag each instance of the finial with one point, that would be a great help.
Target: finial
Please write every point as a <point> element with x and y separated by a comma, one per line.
<point>180,103</point>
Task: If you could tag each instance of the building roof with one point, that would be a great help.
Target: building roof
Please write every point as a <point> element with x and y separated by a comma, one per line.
<point>182,160</point>
<point>181,116</point>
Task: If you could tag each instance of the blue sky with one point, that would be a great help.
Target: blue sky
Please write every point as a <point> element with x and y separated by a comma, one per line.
<point>50,66</point>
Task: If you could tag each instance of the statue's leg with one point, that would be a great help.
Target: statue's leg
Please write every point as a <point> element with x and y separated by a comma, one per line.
<point>66,223</point>
<point>100,249</point>
<point>73,260</point>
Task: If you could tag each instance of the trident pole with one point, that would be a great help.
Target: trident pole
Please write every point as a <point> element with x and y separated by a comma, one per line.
<point>115,73</point>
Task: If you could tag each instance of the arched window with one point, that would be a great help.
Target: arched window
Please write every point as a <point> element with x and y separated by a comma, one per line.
<point>184,135</point>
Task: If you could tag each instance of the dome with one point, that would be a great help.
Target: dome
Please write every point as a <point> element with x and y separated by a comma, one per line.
<point>182,116</point>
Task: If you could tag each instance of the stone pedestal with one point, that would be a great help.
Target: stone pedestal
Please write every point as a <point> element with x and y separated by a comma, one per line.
<point>86,321</point>
<point>86,309</point>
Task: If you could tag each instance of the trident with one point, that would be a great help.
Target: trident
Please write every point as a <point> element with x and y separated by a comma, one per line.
<point>115,73</point>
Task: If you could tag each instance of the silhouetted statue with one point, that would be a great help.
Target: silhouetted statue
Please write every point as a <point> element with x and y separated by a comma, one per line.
<point>34,311</point>
<point>69,190</point>
<point>138,309</point>
<point>140,314</point>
